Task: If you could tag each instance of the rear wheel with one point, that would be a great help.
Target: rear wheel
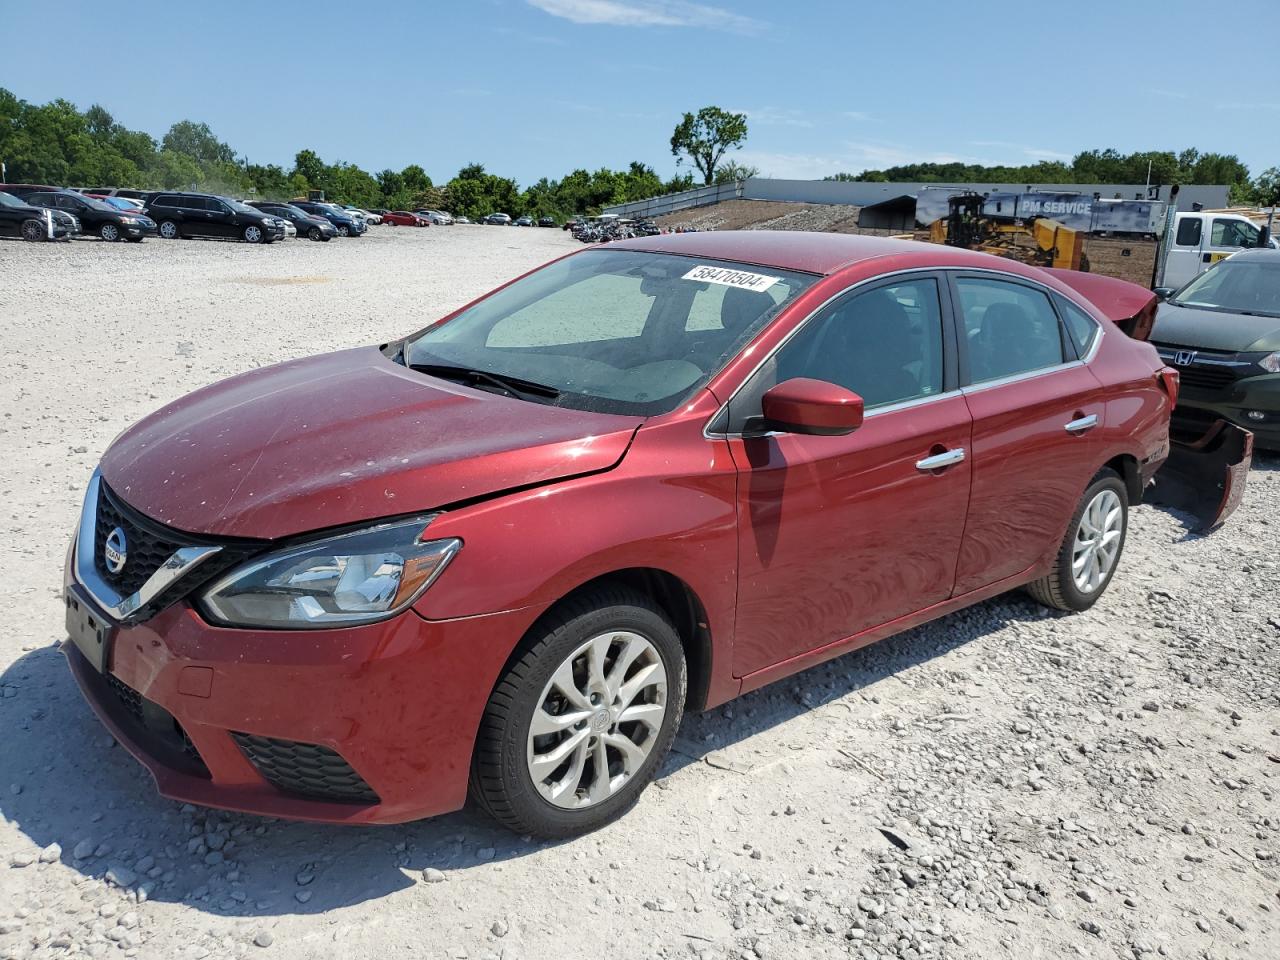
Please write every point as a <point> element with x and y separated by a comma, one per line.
<point>109,232</point>
<point>169,230</point>
<point>1090,552</point>
<point>33,230</point>
<point>582,720</point>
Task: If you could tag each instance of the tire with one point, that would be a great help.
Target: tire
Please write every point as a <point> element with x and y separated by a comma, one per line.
<point>252,233</point>
<point>109,232</point>
<point>33,231</point>
<point>1101,517</point>
<point>617,622</point>
<point>315,234</point>
<point>169,230</point>
<point>343,230</point>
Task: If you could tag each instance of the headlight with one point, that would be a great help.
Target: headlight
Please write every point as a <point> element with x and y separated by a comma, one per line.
<point>339,581</point>
<point>1271,362</point>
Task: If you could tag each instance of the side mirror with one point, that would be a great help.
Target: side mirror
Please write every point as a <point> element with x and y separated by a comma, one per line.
<point>813,407</point>
<point>1164,293</point>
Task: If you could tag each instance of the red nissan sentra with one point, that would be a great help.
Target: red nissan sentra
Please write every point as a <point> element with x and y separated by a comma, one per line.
<point>505,554</point>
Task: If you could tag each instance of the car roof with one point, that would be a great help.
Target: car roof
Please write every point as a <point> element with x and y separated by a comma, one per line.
<point>821,253</point>
<point>1257,253</point>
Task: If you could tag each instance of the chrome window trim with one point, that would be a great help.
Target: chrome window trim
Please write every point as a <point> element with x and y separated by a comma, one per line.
<point>180,563</point>
<point>948,275</point>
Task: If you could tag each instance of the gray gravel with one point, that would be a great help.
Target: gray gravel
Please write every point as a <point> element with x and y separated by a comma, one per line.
<point>1004,782</point>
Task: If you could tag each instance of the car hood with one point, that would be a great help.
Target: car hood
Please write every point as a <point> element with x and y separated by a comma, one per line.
<point>343,438</point>
<point>1215,330</point>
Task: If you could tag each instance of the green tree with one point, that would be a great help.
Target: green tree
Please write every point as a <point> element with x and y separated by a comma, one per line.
<point>197,141</point>
<point>733,171</point>
<point>706,136</point>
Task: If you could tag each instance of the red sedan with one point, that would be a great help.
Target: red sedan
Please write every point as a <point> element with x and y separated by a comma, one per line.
<point>404,218</point>
<point>509,551</point>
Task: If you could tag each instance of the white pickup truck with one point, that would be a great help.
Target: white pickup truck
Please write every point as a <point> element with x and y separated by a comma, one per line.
<point>1202,238</point>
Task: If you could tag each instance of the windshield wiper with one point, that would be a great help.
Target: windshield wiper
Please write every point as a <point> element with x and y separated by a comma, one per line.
<point>516,387</point>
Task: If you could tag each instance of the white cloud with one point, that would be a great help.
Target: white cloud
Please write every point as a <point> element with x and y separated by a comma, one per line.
<point>1034,153</point>
<point>851,158</point>
<point>775,117</point>
<point>648,13</point>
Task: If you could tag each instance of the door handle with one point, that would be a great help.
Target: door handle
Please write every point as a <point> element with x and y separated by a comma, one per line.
<point>940,461</point>
<point>1082,424</point>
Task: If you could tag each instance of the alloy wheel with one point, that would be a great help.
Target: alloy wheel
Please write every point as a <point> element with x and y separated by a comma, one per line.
<point>169,230</point>
<point>1097,541</point>
<point>597,720</point>
<point>32,230</point>
<point>252,234</point>
<point>109,232</point>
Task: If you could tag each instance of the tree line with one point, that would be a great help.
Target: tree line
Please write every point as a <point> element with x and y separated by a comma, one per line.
<point>1164,167</point>
<point>57,143</point>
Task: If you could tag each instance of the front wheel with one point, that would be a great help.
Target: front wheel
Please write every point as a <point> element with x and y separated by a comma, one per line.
<point>314,234</point>
<point>344,230</point>
<point>169,230</point>
<point>253,234</point>
<point>1090,552</point>
<point>33,230</point>
<point>582,720</point>
<point>109,232</point>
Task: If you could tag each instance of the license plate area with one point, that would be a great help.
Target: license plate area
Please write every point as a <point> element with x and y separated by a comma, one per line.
<point>90,631</point>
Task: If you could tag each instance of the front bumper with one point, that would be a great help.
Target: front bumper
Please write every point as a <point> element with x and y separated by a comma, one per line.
<point>371,724</point>
<point>1197,408</point>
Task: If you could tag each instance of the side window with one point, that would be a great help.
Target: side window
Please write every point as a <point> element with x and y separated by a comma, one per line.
<point>164,200</point>
<point>1233,233</point>
<point>1008,328</point>
<point>883,344</point>
<point>194,203</point>
<point>1083,328</point>
<point>68,203</point>
<point>1188,232</point>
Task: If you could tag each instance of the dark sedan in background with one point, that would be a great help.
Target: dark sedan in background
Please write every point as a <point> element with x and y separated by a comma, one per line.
<point>1222,333</point>
<point>308,225</point>
<point>343,222</point>
<point>97,217</point>
<point>18,219</point>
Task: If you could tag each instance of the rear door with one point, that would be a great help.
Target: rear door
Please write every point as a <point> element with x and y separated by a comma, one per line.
<point>1035,406</point>
<point>841,534</point>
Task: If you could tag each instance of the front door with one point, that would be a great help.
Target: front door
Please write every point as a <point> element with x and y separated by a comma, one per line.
<point>840,534</point>
<point>1034,407</point>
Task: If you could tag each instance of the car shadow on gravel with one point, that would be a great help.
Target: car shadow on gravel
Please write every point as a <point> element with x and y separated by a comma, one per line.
<point>64,780</point>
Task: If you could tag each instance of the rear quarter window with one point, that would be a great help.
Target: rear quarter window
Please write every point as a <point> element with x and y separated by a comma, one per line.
<point>1082,327</point>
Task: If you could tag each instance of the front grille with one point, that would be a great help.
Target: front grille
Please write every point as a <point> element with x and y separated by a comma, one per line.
<point>305,769</point>
<point>129,698</point>
<point>148,545</point>
<point>147,549</point>
<point>1206,377</point>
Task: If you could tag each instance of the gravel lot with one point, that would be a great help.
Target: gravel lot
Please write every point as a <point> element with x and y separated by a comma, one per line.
<point>1004,782</point>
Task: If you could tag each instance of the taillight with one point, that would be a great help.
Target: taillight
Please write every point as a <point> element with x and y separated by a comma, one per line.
<point>1167,377</point>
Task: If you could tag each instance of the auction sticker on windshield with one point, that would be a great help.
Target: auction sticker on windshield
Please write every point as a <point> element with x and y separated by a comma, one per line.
<point>757,282</point>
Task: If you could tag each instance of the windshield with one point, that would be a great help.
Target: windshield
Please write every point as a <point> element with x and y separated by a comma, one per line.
<point>613,331</point>
<point>96,204</point>
<point>1236,286</point>
<point>121,203</point>
<point>237,206</point>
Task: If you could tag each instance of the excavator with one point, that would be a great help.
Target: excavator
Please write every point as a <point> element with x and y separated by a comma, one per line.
<point>967,225</point>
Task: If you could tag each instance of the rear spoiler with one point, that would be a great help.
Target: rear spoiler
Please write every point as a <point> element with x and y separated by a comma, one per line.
<point>1129,306</point>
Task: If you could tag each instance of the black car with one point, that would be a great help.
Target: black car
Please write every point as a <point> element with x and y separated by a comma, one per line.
<point>343,222</point>
<point>546,221</point>
<point>308,225</point>
<point>206,215</point>
<point>524,222</point>
<point>18,219</point>
<point>96,217</point>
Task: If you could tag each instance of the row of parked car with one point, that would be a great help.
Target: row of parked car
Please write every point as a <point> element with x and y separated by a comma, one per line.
<point>42,212</point>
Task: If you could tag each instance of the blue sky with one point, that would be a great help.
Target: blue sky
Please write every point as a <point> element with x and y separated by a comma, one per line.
<point>536,88</point>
